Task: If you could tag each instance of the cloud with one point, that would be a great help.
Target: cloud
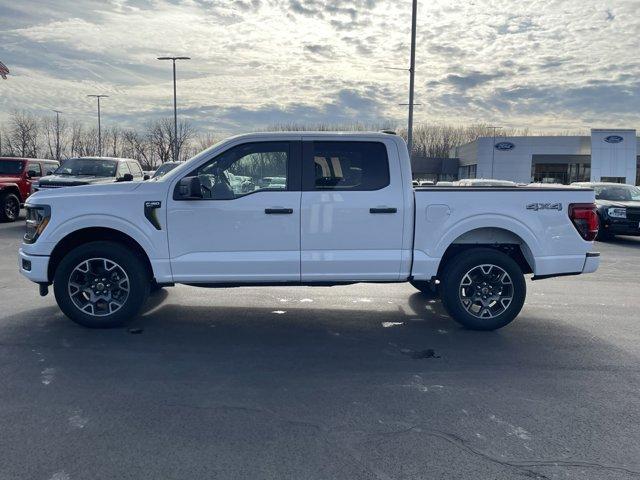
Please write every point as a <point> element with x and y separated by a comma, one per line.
<point>544,64</point>
<point>469,80</point>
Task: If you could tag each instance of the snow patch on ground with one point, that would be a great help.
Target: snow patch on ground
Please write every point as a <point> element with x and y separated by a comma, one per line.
<point>47,375</point>
<point>392,324</point>
<point>512,430</point>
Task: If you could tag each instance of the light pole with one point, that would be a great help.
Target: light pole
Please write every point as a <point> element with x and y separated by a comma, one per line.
<point>412,74</point>
<point>98,97</point>
<point>175,105</point>
<point>493,148</point>
<point>58,112</point>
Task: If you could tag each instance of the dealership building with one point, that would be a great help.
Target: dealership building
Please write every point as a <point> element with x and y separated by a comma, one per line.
<point>607,155</point>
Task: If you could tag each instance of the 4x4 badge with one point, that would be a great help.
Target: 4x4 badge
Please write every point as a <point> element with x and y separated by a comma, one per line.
<point>544,206</point>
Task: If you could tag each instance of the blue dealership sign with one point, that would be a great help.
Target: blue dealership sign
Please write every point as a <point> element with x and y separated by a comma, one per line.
<point>504,146</point>
<point>614,139</point>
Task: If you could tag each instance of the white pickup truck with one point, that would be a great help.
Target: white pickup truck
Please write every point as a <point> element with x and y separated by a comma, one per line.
<point>303,209</point>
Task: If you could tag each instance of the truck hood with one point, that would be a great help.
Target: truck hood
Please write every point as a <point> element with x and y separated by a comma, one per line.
<point>618,203</point>
<point>103,189</point>
<point>73,180</point>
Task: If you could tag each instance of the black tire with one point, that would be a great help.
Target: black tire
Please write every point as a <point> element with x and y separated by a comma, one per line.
<point>498,290</point>
<point>425,288</point>
<point>9,207</point>
<point>138,284</point>
<point>154,287</point>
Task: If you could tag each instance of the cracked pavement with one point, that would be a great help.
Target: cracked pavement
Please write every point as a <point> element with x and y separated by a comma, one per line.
<point>324,383</point>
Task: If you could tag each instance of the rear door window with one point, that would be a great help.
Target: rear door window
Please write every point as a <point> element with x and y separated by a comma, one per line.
<point>347,166</point>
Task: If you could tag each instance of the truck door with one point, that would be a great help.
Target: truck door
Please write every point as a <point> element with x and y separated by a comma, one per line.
<point>352,211</point>
<point>246,228</point>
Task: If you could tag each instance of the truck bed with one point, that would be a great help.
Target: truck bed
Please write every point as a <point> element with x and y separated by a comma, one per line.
<point>536,219</point>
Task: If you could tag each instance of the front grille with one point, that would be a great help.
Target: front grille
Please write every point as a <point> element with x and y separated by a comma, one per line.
<point>53,185</point>
<point>633,214</point>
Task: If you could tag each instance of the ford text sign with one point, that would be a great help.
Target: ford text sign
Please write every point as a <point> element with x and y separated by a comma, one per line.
<point>504,146</point>
<point>614,139</point>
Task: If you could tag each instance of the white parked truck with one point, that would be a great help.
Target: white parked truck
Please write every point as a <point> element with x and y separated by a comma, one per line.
<point>303,209</point>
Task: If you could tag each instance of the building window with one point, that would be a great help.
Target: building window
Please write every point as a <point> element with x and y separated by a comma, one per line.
<point>467,171</point>
<point>563,173</point>
<point>613,179</point>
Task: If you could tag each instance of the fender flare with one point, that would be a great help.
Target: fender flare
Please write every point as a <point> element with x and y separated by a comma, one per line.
<point>105,221</point>
<point>500,222</point>
<point>12,186</point>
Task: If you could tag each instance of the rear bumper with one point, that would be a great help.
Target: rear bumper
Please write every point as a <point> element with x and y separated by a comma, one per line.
<point>34,267</point>
<point>590,263</point>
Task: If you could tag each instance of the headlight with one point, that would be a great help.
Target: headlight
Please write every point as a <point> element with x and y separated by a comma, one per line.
<point>617,212</point>
<point>38,217</point>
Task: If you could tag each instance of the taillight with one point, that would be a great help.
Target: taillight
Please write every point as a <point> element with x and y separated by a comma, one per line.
<point>585,218</point>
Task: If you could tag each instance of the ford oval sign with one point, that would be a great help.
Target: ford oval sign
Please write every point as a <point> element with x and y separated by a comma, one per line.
<point>614,139</point>
<point>504,146</point>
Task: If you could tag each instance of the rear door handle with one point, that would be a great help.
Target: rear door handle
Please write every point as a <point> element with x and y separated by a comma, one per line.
<point>278,211</point>
<point>383,210</point>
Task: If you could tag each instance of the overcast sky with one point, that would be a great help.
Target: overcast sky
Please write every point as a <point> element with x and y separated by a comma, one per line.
<point>542,64</point>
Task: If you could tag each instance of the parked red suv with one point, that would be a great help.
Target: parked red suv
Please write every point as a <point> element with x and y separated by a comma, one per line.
<point>16,175</point>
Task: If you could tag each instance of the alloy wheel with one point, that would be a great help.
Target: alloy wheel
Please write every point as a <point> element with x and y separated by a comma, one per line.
<point>98,286</point>
<point>11,208</point>
<point>486,291</point>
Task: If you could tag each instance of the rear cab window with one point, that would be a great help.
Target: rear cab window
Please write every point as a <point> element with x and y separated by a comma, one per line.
<point>346,166</point>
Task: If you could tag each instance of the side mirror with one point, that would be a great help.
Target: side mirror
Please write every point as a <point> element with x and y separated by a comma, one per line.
<point>188,188</point>
<point>127,177</point>
<point>49,172</point>
<point>32,173</point>
<point>145,177</point>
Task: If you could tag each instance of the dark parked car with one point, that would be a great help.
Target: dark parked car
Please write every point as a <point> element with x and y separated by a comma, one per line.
<point>92,170</point>
<point>16,178</point>
<point>618,208</point>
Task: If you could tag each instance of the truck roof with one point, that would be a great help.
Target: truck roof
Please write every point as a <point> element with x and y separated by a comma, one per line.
<point>289,134</point>
<point>29,159</point>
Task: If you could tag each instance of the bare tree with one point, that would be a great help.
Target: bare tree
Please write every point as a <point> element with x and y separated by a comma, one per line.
<point>160,135</point>
<point>55,137</point>
<point>23,134</point>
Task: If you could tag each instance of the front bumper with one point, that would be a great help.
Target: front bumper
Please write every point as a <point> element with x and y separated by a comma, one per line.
<point>34,267</point>
<point>621,227</point>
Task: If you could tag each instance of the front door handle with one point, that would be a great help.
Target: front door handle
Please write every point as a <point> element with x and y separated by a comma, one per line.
<point>383,210</point>
<point>278,211</point>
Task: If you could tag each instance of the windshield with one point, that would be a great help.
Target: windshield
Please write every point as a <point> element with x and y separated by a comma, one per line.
<point>88,166</point>
<point>620,193</point>
<point>164,168</point>
<point>11,167</point>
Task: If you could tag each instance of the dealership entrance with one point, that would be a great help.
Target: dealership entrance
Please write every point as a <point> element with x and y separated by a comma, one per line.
<point>563,169</point>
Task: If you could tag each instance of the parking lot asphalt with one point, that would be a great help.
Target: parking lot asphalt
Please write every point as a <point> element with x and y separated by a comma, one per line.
<point>353,382</point>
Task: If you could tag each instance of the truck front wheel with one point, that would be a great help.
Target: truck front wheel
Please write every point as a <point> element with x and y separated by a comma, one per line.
<point>101,285</point>
<point>9,207</point>
<point>483,289</point>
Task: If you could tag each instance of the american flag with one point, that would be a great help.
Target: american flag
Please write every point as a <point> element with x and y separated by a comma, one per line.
<point>4,71</point>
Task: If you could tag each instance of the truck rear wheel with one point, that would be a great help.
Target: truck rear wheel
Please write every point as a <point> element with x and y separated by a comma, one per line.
<point>101,285</point>
<point>483,289</point>
<point>9,207</point>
